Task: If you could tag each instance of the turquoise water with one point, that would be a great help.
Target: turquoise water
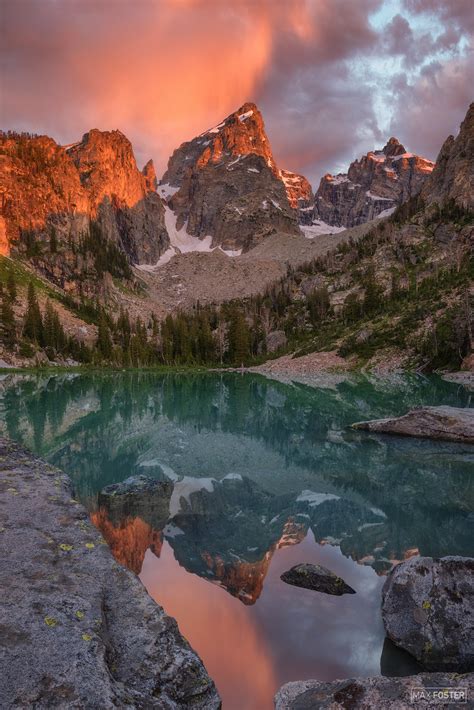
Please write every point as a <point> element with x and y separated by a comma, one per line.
<point>263,475</point>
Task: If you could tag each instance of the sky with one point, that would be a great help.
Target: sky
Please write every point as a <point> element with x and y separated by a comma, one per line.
<point>333,78</point>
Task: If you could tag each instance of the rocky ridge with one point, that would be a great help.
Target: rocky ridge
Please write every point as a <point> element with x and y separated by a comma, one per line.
<point>225,184</point>
<point>453,176</point>
<point>378,182</point>
<point>300,195</point>
<point>46,187</point>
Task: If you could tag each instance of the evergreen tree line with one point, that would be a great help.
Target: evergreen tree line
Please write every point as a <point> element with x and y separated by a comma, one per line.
<point>106,256</point>
<point>36,330</point>
<point>236,333</point>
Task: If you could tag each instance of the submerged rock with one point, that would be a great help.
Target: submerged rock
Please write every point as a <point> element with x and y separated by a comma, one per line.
<point>428,610</point>
<point>417,691</point>
<point>77,628</point>
<point>138,496</point>
<point>317,578</point>
<point>448,423</point>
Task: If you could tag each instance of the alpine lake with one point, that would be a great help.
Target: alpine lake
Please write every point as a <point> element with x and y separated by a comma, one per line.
<point>260,475</point>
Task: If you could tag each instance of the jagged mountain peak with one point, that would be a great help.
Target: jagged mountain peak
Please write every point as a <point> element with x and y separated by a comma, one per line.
<point>149,174</point>
<point>393,147</point>
<point>241,133</point>
<point>225,184</point>
<point>373,185</point>
<point>94,179</point>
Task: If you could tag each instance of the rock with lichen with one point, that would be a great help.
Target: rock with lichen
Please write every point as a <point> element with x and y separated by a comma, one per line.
<point>428,610</point>
<point>77,628</point>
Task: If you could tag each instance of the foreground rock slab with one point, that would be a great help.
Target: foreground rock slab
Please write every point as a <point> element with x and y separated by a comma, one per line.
<point>78,630</point>
<point>448,423</point>
<point>418,691</point>
<point>428,610</point>
<point>317,578</point>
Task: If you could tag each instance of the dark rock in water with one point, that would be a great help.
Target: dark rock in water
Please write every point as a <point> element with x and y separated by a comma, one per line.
<point>378,693</point>
<point>428,610</point>
<point>448,423</point>
<point>317,578</point>
<point>78,630</point>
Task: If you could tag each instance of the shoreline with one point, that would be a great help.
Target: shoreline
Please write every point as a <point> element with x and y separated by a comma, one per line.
<point>65,603</point>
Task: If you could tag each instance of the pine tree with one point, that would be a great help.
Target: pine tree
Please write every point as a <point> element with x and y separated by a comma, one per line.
<point>373,293</point>
<point>53,332</point>
<point>167,340</point>
<point>33,325</point>
<point>48,326</point>
<point>318,304</point>
<point>104,340</point>
<point>11,286</point>
<point>7,325</point>
<point>239,338</point>
<point>53,241</point>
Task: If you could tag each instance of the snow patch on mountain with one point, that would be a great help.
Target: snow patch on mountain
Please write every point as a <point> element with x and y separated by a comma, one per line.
<point>180,241</point>
<point>320,227</point>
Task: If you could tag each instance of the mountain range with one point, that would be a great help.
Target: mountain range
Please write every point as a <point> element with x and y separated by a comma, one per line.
<point>225,221</point>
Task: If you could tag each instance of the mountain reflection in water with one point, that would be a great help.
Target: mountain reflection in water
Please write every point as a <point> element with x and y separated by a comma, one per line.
<point>237,478</point>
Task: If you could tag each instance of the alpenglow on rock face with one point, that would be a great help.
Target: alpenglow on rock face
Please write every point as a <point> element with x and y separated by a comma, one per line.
<point>378,182</point>
<point>46,186</point>
<point>224,184</point>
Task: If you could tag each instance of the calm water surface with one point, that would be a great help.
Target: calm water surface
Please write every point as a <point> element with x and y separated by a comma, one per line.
<point>259,476</point>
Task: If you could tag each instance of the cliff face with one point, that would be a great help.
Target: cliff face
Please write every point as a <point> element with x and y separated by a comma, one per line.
<point>379,181</point>
<point>225,184</point>
<point>453,175</point>
<point>300,195</point>
<point>45,185</point>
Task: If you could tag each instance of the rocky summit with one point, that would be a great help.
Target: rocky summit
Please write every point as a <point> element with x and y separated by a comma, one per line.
<point>373,185</point>
<point>47,187</point>
<point>225,184</point>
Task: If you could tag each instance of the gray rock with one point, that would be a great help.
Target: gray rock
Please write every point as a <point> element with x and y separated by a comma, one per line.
<point>448,423</point>
<point>453,176</point>
<point>77,629</point>
<point>317,578</point>
<point>375,693</point>
<point>276,340</point>
<point>428,610</point>
<point>229,185</point>
<point>379,181</point>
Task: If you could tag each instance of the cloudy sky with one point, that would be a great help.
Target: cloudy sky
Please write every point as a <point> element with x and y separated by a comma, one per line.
<point>333,78</point>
